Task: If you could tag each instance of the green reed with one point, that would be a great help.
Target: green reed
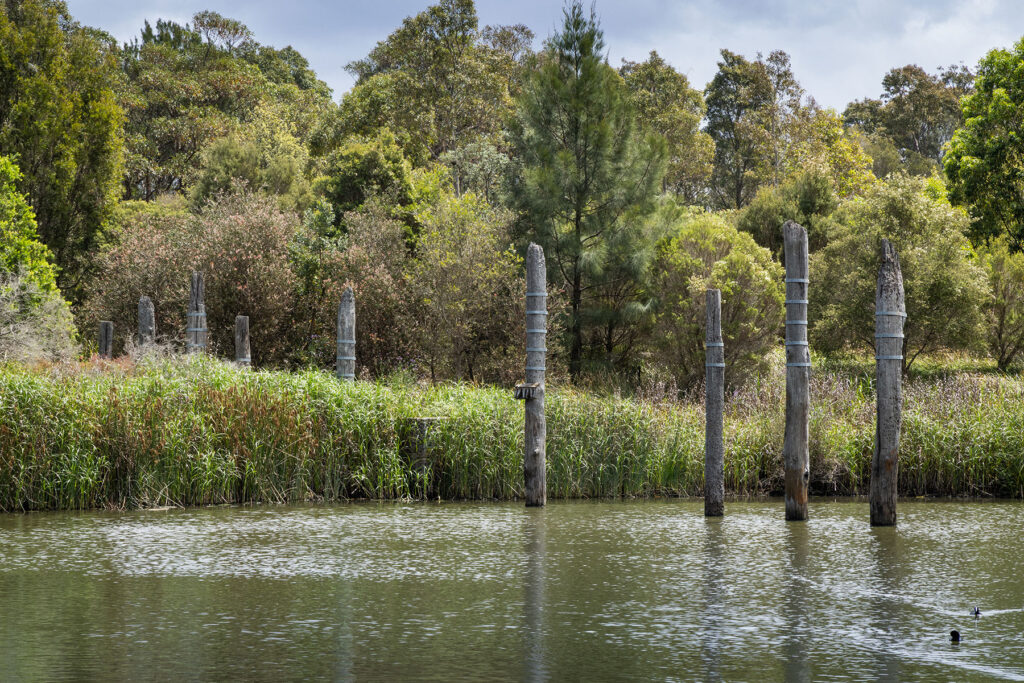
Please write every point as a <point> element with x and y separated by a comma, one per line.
<point>197,431</point>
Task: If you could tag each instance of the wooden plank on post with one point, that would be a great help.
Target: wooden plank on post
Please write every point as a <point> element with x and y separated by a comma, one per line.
<point>106,340</point>
<point>714,408</point>
<point>535,444</point>
<point>890,315</point>
<point>196,332</point>
<point>147,321</point>
<point>242,356</point>
<point>798,373</point>
<point>345,361</point>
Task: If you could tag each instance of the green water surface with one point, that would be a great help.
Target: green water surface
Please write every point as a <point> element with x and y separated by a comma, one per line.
<point>576,591</point>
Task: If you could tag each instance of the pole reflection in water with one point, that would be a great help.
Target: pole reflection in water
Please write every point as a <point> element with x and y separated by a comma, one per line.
<point>534,533</point>
<point>886,608</point>
<point>794,604</point>
<point>713,618</point>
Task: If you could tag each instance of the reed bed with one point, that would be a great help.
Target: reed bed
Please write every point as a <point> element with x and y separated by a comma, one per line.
<point>197,431</point>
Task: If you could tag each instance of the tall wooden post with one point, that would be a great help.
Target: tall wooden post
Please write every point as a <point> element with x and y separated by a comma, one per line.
<point>106,340</point>
<point>147,321</point>
<point>890,314</point>
<point>714,407</point>
<point>242,356</point>
<point>345,361</point>
<point>798,373</point>
<point>196,332</point>
<point>536,429</point>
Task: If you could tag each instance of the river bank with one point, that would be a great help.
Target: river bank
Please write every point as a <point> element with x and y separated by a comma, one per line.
<point>198,431</point>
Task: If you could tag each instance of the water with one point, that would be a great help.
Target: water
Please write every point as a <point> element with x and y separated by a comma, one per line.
<point>578,591</point>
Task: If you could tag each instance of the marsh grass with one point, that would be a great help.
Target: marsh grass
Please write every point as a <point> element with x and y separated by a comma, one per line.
<point>195,431</point>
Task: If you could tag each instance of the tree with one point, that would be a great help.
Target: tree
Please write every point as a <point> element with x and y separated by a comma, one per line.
<point>704,251</point>
<point>21,253</point>
<point>806,198</point>
<point>946,287</point>
<point>60,119</point>
<point>584,167</point>
<point>1006,314</point>
<point>985,162</point>
<point>736,98</point>
<point>917,112</point>
<point>438,78</point>
<point>666,104</point>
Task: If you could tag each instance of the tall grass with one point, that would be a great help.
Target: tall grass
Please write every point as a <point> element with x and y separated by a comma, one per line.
<point>198,431</point>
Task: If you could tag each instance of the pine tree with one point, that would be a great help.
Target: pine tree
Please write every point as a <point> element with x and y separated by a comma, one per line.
<point>586,172</point>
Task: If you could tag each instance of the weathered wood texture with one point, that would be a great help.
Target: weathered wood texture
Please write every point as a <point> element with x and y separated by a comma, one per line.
<point>196,332</point>
<point>890,314</point>
<point>147,321</point>
<point>345,362</point>
<point>242,353</point>
<point>106,339</point>
<point>798,373</point>
<point>714,406</point>
<point>534,456</point>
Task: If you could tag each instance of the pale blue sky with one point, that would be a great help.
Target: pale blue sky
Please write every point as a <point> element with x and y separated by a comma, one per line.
<point>840,50</point>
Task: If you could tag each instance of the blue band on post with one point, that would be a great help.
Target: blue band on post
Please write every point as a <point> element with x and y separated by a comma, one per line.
<point>714,365</point>
<point>798,365</point>
<point>707,343</point>
<point>796,301</point>
<point>797,279</point>
<point>899,313</point>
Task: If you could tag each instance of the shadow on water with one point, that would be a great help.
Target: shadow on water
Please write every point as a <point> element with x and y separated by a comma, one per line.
<point>534,539</point>
<point>715,588</point>
<point>794,603</point>
<point>884,609</point>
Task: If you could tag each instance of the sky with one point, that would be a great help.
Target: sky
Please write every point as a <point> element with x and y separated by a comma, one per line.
<point>840,50</point>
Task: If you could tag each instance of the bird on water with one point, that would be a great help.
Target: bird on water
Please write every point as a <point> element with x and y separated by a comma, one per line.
<point>976,612</point>
<point>954,636</point>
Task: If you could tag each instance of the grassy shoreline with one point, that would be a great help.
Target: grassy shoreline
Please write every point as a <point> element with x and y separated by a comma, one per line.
<point>198,431</point>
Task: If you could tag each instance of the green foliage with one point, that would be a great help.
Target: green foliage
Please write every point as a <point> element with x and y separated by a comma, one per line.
<point>367,167</point>
<point>585,170</point>
<point>946,288</point>
<point>917,113</point>
<point>666,104</point>
<point>20,250</point>
<point>239,241</point>
<point>806,198</point>
<point>986,156</point>
<point>60,120</point>
<point>1006,314</point>
<point>705,252</point>
<point>438,80</point>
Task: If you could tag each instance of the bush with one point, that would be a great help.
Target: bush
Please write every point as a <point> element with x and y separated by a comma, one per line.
<point>21,252</point>
<point>706,252</point>
<point>35,323</point>
<point>1005,270</point>
<point>946,288</point>
<point>240,242</point>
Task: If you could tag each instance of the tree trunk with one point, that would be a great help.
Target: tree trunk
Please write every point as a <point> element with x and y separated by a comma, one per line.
<point>890,313</point>
<point>576,328</point>
<point>535,441</point>
<point>714,407</point>
<point>798,373</point>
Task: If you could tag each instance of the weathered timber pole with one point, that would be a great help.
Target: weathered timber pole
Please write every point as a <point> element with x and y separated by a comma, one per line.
<point>798,373</point>
<point>196,332</point>
<point>536,428</point>
<point>345,361</point>
<point>890,314</point>
<point>242,356</point>
<point>714,407</point>
<point>147,321</point>
<point>106,340</point>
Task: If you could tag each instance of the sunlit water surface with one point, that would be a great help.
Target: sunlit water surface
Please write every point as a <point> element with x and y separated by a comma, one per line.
<point>577,591</point>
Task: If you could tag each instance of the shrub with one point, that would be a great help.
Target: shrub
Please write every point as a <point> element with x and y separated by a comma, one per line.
<point>35,323</point>
<point>706,252</point>
<point>1005,270</point>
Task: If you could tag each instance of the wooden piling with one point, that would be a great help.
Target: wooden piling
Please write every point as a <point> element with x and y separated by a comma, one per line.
<point>535,444</point>
<point>890,314</point>
<point>106,340</point>
<point>196,332</point>
<point>345,361</point>
<point>242,356</point>
<point>798,373</point>
<point>714,407</point>
<point>147,321</point>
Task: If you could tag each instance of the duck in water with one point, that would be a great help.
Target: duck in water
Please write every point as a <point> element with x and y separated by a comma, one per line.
<point>954,636</point>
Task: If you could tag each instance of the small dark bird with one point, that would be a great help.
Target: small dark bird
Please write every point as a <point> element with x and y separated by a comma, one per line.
<point>954,636</point>
<point>976,612</point>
